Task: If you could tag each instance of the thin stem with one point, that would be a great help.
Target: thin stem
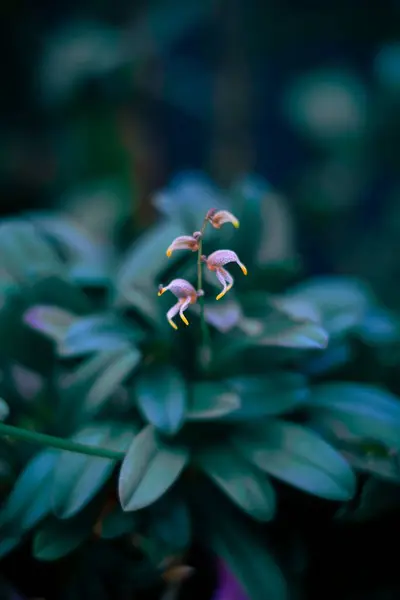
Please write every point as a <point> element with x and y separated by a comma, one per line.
<point>204,327</point>
<point>55,442</point>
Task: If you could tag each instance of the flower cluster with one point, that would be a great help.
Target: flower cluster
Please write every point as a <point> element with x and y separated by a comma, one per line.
<point>215,262</point>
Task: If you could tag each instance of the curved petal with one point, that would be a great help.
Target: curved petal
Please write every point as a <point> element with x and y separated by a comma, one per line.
<point>221,217</point>
<point>221,258</point>
<point>183,242</point>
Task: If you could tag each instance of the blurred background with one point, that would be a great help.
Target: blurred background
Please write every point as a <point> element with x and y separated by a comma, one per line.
<point>104,103</point>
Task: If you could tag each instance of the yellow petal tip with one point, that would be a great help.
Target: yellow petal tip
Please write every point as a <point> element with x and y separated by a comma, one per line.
<point>173,325</point>
<point>168,253</point>
<point>236,224</point>
<point>244,270</point>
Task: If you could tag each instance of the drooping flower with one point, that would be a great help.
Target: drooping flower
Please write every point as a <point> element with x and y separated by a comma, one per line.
<point>216,262</point>
<point>186,295</point>
<point>217,218</point>
<point>185,242</point>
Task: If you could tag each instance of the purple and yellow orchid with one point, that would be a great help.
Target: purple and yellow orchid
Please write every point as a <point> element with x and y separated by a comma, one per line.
<point>185,242</point>
<point>186,294</point>
<point>216,262</point>
<point>217,218</point>
<point>182,289</point>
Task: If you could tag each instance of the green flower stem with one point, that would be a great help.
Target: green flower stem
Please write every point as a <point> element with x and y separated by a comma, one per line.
<point>204,327</point>
<point>56,442</point>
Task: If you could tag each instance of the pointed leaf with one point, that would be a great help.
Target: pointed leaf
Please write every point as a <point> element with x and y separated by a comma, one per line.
<point>149,470</point>
<point>101,332</point>
<point>56,539</point>
<point>52,321</point>
<point>29,500</point>
<point>211,400</point>
<point>246,555</point>
<point>114,374</point>
<point>170,522</point>
<point>288,334</point>
<point>277,331</point>
<point>25,252</point>
<point>78,477</point>
<point>342,302</point>
<point>162,398</point>
<point>118,523</point>
<point>237,478</point>
<point>269,395</point>
<point>299,457</point>
<point>358,410</point>
<point>378,497</point>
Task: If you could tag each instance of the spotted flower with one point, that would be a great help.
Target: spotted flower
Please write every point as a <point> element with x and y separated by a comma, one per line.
<point>216,262</point>
<point>185,242</point>
<point>186,295</point>
<point>217,218</point>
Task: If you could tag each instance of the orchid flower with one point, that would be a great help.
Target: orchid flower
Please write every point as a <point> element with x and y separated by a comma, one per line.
<point>216,262</point>
<point>186,295</point>
<point>185,242</point>
<point>217,218</point>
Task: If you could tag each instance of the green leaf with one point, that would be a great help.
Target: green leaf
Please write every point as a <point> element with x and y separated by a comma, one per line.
<point>80,248</point>
<point>379,327</point>
<point>297,456</point>
<point>25,254</point>
<point>141,298</point>
<point>369,458</point>
<point>170,522</point>
<point>4,410</point>
<point>297,309</point>
<point>118,369</point>
<point>76,386</point>
<point>288,334</point>
<point>211,400</point>
<point>378,497</point>
<point>118,523</point>
<point>100,332</point>
<point>357,410</point>
<point>56,539</point>
<point>245,553</point>
<point>54,291</point>
<point>341,302</point>
<point>269,395</point>
<point>78,477</point>
<point>162,398</point>
<point>251,563</point>
<point>149,470</point>
<point>29,500</point>
<point>238,479</point>
<point>278,331</point>
<point>52,321</point>
<point>23,344</point>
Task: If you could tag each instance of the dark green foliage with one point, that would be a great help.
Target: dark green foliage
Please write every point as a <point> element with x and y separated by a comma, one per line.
<point>209,442</point>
